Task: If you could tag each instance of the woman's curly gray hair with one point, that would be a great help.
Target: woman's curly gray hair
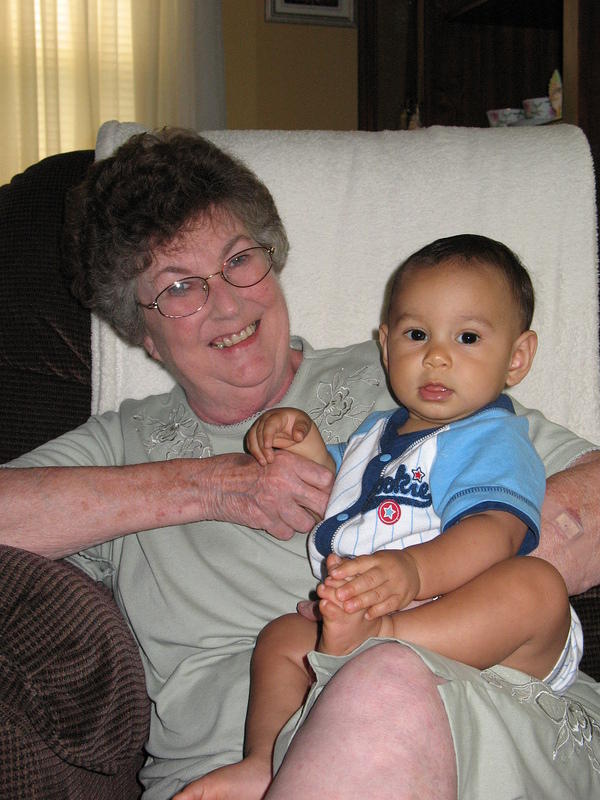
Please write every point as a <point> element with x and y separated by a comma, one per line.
<point>140,200</point>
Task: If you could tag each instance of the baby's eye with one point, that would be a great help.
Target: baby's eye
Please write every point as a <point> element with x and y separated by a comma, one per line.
<point>468,337</point>
<point>416,335</point>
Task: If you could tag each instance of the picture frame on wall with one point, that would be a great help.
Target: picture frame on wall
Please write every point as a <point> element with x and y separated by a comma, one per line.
<point>311,12</point>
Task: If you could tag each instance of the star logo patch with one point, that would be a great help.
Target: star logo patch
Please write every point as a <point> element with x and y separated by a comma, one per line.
<point>418,474</point>
<point>389,512</point>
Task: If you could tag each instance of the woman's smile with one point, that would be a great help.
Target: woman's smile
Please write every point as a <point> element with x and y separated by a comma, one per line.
<point>232,339</point>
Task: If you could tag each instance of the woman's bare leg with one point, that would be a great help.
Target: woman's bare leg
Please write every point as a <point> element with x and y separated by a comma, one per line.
<point>379,729</point>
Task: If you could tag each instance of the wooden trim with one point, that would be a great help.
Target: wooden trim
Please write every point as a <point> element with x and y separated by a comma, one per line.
<point>570,73</point>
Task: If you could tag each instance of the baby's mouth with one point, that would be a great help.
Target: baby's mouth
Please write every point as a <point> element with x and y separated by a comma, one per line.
<point>434,391</point>
<point>234,338</point>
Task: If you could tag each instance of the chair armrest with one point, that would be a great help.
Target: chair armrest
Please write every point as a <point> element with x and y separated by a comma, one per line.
<point>74,713</point>
<point>587,605</point>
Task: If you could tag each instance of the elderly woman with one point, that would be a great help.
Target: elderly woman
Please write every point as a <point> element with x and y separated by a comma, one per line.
<point>178,245</point>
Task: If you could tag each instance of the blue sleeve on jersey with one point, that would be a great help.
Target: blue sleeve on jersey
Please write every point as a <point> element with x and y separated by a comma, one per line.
<point>337,450</point>
<point>488,462</point>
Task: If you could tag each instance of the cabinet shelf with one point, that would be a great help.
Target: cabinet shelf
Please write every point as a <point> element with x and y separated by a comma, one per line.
<point>544,14</point>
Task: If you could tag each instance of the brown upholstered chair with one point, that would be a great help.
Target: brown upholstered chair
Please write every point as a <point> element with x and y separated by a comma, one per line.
<point>74,713</point>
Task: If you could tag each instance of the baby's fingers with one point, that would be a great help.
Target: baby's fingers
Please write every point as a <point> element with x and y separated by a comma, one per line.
<point>388,606</point>
<point>300,428</point>
<point>327,593</point>
<point>364,599</point>
<point>343,569</point>
<point>269,429</point>
<point>255,446</point>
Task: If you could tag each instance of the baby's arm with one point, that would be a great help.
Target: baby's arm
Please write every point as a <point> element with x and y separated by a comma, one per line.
<point>287,429</point>
<point>492,609</point>
<point>389,580</point>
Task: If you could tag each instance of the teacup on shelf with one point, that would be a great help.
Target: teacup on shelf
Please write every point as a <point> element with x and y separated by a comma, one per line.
<point>539,109</point>
<point>502,117</point>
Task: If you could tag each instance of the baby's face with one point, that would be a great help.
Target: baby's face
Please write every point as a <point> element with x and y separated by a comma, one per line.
<point>451,341</point>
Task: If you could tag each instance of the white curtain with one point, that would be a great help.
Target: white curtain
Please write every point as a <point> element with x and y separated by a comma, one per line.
<point>69,65</point>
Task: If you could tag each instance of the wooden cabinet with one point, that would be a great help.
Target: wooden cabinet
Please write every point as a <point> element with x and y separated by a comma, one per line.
<point>476,57</point>
<point>460,58</point>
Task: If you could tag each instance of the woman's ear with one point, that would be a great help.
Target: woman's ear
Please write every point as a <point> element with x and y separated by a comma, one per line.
<point>150,348</point>
<point>522,357</point>
<point>383,337</point>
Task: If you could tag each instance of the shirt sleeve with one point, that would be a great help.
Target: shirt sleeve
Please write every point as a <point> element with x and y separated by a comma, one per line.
<point>558,447</point>
<point>488,463</point>
<point>98,442</point>
<point>336,451</point>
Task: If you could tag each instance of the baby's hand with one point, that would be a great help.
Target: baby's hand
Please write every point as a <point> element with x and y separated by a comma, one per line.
<point>278,428</point>
<point>383,583</point>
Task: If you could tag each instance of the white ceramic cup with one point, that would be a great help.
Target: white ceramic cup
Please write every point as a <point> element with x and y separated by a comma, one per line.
<point>538,108</point>
<point>501,117</point>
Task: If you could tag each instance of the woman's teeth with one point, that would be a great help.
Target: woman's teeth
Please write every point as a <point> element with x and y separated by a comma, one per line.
<point>235,338</point>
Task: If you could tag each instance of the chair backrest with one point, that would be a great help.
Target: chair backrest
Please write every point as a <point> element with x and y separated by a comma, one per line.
<point>45,356</point>
<point>355,204</point>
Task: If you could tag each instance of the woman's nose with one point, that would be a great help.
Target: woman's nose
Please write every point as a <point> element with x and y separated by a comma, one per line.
<point>223,298</point>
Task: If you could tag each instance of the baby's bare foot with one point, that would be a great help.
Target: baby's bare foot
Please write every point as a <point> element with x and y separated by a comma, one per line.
<point>247,780</point>
<point>342,632</point>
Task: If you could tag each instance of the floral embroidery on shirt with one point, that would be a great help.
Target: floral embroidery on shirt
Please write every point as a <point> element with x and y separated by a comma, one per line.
<point>179,437</point>
<point>337,404</point>
<point>575,726</point>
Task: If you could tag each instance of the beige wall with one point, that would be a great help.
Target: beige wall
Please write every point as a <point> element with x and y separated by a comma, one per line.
<point>282,76</point>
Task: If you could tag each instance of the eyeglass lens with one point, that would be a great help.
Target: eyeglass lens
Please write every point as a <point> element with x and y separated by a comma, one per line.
<point>188,295</point>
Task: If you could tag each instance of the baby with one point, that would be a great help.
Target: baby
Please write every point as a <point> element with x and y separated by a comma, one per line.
<point>434,502</point>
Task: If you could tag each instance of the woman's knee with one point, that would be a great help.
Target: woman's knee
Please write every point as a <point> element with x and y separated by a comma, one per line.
<point>386,699</point>
<point>386,673</point>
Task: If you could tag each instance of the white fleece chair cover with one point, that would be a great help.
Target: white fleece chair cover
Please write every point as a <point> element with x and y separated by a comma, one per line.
<point>355,204</point>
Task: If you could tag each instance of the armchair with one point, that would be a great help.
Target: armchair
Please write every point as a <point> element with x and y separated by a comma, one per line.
<point>58,630</point>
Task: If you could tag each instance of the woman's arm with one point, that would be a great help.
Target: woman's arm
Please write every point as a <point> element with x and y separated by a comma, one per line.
<point>570,534</point>
<point>56,511</point>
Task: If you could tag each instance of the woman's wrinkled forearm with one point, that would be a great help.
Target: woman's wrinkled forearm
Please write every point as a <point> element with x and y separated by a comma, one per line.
<point>57,511</point>
<point>570,535</point>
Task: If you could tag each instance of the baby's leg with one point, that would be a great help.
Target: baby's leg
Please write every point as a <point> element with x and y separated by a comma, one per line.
<point>342,632</point>
<point>246,780</point>
<point>280,678</point>
<point>516,613</point>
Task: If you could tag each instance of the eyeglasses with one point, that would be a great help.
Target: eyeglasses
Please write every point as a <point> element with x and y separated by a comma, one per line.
<point>188,295</point>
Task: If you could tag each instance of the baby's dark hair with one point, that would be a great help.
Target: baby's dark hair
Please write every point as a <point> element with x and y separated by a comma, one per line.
<point>470,247</point>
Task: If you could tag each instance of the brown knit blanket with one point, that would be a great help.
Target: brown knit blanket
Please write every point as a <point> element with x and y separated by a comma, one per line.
<point>74,714</point>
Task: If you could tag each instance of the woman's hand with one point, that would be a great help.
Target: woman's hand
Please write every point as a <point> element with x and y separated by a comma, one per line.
<point>282,497</point>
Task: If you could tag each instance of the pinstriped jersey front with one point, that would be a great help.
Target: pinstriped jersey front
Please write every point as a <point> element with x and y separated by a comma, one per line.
<point>394,490</point>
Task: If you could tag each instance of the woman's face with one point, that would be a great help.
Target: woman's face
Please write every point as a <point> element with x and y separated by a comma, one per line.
<point>232,357</point>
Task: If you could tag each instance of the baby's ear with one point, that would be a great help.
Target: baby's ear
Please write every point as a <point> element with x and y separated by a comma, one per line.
<point>383,337</point>
<point>522,357</point>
